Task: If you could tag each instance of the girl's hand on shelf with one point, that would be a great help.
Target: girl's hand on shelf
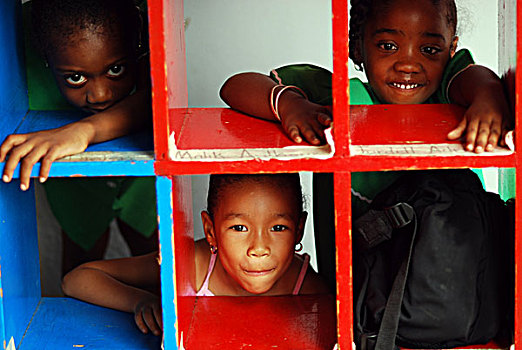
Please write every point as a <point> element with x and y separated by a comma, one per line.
<point>147,315</point>
<point>45,146</point>
<point>484,124</point>
<point>306,120</point>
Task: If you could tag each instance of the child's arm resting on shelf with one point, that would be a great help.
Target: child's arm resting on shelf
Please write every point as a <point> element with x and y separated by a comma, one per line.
<point>128,284</point>
<point>301,119</point>
<point>487,116</point>
<point>128,115</point>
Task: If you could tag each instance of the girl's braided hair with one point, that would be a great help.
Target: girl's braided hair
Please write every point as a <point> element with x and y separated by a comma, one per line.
<point>55,22</point>
<point>219,182</point>
<point>362,10</point>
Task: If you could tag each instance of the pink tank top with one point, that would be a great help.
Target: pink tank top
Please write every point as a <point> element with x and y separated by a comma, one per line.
<point>205,292</point>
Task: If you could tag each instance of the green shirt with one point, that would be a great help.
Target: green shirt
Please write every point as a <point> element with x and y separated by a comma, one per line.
<point>316,82</point>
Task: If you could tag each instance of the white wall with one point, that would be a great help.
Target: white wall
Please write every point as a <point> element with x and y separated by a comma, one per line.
<point>229,36</point>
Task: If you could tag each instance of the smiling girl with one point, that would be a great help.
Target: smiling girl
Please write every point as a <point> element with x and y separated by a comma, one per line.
<point>408,51</point>
<point>253,228</point>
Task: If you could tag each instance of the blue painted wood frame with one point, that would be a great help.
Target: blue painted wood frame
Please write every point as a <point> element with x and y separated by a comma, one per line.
<point>165,209</point>
<point>79,169</point>
<point>19,261</point>
<point>42,120</point>
<point>65,323</point>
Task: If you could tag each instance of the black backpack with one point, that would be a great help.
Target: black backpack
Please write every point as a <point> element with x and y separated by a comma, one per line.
<point>433,264</point>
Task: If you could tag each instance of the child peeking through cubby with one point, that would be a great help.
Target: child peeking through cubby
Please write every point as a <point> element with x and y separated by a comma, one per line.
<point>408,51</point>
<point>97,52</point>
<point>253,228</point>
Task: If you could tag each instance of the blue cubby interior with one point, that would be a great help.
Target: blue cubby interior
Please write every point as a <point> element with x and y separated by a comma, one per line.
<point>19,261</point>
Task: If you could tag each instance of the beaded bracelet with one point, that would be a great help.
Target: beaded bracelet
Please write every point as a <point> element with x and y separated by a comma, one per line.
<point>274,103</point>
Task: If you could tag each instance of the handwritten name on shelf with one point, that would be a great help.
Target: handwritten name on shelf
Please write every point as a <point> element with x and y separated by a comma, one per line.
<point>241,154</point>
<point>440,149</point>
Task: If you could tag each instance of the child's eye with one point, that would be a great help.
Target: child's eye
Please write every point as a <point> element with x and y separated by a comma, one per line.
<point>239,228</point>
<point>279,228</point>
<point>387,46</point>
<point>430,50</point>
<point>116,70</point>
<point>75,79</point>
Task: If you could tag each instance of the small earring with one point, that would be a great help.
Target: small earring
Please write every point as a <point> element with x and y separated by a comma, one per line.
<point>298,247</point>
<point>213,249</point>
<point>46,64</point>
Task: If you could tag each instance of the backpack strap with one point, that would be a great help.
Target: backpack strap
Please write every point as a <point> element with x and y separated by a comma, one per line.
<point>376,226</point>
<point>390,319</point>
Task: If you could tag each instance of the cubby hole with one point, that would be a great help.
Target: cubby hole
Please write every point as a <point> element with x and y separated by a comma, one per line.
<point>366,186</point>
<point>305,321</point>
<point>27,316</point>
<point>205,52</point>
<point>35,103</point>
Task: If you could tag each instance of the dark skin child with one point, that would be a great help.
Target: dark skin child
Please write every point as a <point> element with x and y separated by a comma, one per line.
<point>405,50</point>
<point>96,73</point>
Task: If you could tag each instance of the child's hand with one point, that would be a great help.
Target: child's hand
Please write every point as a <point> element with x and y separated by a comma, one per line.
<point>45,146</point>
<point>303,119</point>
<point>485,123</point>
<point>147,315</point>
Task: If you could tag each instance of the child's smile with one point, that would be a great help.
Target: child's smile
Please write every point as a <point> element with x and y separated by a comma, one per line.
<point>405,49</point>
<point>94,71</point>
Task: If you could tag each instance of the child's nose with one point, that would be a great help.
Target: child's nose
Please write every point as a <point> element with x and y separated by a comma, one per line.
<point>98,93</point>
<point>259,246</point>
<point>407,63</point>
<point>407,66</point>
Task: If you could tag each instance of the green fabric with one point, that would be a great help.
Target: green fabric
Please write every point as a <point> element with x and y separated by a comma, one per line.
<point>317,83</point>
<point>42,90</point>
<point>84,207</point>
<point>506,183</point>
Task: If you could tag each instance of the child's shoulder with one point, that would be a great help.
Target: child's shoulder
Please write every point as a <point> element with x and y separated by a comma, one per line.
<point>313,282</point>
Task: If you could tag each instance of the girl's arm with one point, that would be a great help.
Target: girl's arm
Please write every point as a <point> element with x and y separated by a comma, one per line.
<point>129,284</point>
<point>488,116</point>
<point>250,93</point>
<point>128,115</point>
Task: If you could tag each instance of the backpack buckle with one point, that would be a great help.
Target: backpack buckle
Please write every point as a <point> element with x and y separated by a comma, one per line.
<point>400,214</point>
<point>368,341</point>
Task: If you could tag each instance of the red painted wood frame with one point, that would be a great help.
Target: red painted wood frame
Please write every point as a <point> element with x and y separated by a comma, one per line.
<point>170,91</point>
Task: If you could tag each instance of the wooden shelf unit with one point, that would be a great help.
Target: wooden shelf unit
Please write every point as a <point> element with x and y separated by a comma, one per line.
<point>26,317</point>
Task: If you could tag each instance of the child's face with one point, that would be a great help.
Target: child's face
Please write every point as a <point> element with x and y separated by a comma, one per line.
<point>405,50</point>
<point>94,71</point>
<point>256,227</point>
